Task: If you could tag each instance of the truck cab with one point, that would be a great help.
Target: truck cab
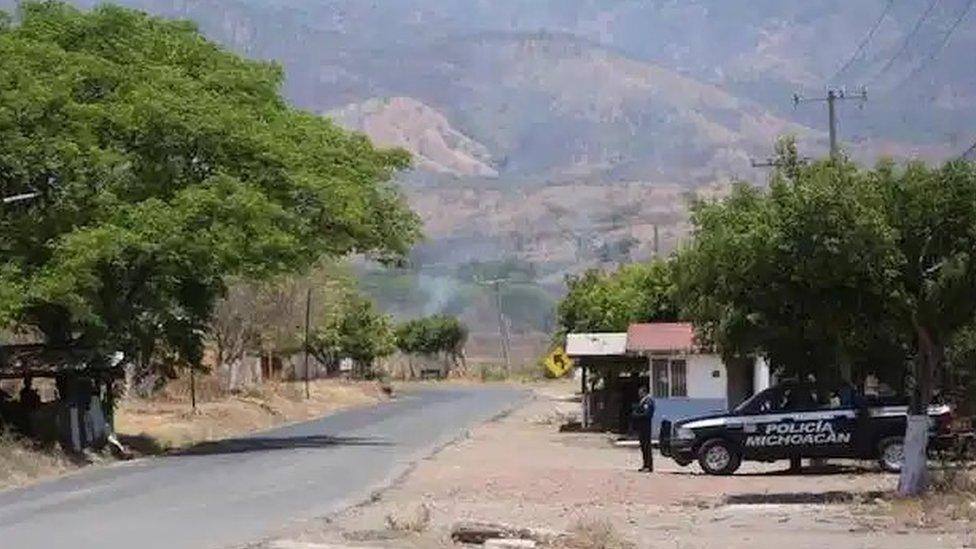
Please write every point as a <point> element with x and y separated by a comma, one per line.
<point>798,420</point>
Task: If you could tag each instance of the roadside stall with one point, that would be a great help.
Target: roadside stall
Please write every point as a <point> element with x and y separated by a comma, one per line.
<point>77,412</point>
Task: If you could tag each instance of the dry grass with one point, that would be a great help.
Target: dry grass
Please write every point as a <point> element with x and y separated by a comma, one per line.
<point>416,522</point>
<point>168,422</point>
<point>595,534</point>
<point>951,500</point>
<point>21,462</point>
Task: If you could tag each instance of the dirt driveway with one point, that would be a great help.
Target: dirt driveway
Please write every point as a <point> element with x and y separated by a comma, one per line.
<point>519,470</point>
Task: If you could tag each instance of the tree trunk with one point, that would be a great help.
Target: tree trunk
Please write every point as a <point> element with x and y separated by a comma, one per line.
<point>914,479</point>
<point>233,375</point>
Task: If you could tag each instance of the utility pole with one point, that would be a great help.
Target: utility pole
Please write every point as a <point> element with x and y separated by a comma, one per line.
<point>308,315</point>
<point>193,388</point>
<point>502,324</point>
<point>657,242</point>
<point>833,95</point>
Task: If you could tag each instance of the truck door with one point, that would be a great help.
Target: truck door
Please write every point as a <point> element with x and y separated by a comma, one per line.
<point>761,416</point>
<point>822,426</point>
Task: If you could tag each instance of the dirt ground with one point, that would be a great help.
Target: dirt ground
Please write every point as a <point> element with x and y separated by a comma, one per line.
<point>168,421</point>
<point>521,471</point>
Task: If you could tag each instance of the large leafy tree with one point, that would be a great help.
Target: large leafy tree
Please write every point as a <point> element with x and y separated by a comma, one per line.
<point>834,264</point>
<point>933,212</point>
<point>354,330</point>
<point>794,272</point>
<point>600,301</point>
<point>164,165</point>
<point>433,335</point>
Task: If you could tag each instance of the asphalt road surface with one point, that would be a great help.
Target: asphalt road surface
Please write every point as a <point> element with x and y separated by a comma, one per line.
<point>230,493</point>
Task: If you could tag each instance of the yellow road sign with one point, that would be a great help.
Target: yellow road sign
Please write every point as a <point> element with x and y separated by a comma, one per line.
<point>558,363</point>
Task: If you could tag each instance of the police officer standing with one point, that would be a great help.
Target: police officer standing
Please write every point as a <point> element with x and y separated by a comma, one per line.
<point>643,418</point>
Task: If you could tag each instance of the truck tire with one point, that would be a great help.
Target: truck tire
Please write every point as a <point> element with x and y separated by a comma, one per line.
<point>891,454</point>
<point>718,457</point>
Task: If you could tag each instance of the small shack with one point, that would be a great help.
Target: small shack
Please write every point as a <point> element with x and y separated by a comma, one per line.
<point>80,414</point>
<point>609,378</point>
<point>684,379</point>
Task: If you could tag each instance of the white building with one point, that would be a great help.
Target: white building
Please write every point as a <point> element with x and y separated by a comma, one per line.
<point>684,379</point>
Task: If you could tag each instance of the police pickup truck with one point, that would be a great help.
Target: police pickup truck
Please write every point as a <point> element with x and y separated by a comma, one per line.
<point>789,421</point>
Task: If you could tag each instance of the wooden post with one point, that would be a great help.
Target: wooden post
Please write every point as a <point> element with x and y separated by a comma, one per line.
<point>193,389</point>
<point>584,399</point>
<point>308,314</point>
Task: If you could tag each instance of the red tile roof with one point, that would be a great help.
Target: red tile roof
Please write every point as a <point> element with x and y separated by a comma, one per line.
<point>661,337</point>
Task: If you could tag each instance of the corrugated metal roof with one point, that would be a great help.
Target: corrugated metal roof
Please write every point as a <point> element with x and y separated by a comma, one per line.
<point>661,337</point>
<point>605,344</point>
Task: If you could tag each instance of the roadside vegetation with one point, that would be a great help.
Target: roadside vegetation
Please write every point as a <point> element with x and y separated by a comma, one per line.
<point>831,267</point>
<point>600,301</point>
<point>164,167</point>
<point>183,214</point>
<point>23,461</point>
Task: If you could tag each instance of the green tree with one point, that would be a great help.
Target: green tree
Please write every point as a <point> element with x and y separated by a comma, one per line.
<point>933,214</point>
<point>165,165</point>
<point>833,265</point>
<point>598,301</point>
<point>792,273</point>
<point>354,330</point>
<point>433,335</point>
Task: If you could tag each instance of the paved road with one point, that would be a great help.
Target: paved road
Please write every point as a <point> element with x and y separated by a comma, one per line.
<point>230,493</point>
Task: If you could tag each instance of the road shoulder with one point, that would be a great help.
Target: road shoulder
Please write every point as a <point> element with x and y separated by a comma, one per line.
<point>522,472</point>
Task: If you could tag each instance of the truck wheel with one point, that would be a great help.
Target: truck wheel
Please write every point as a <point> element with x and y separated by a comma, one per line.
<point>891,454</point>
<point>718,457</point>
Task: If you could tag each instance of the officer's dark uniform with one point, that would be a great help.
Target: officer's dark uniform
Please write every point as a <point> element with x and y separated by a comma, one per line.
<point>643,417</point>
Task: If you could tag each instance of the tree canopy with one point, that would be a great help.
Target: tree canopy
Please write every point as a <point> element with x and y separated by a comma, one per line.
<point>164,165</point>
<point>432,335</point>
<point>794,273</point>
<point>600,301</point>
<point>354,330</point>
<point>837,265</point>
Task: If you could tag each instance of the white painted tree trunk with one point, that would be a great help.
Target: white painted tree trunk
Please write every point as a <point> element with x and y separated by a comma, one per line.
<point>914,479</point>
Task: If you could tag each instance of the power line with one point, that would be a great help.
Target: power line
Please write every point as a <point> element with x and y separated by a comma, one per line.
<point>945,40</point>
<point>970,153</point>
<point>864,42</point>
<point>908,40</point>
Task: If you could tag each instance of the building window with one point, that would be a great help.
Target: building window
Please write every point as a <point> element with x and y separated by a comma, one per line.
<point>659,378</point>
<point>669,378</point>
<point>679,378</point>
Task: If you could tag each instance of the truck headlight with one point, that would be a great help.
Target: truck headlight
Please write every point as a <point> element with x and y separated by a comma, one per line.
<point>684,434</point>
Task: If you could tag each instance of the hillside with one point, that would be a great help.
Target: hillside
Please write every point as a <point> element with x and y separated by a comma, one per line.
<point>407,123</point>
<point>561,132</point>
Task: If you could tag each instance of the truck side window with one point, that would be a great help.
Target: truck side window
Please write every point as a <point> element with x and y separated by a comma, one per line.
<point>799,399</point>
<point>769,401</point>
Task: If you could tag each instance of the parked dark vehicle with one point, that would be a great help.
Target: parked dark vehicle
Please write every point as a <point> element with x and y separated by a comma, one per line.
<point>793,420</point>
